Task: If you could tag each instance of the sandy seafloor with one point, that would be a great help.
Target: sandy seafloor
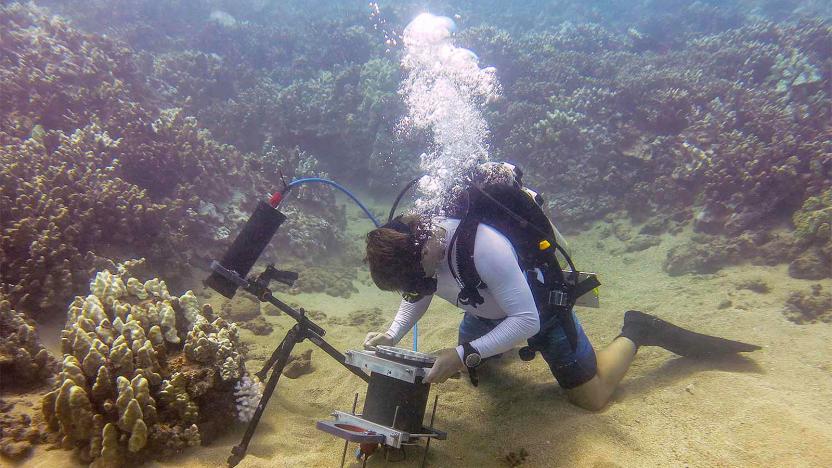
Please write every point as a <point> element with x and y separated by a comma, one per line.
<point>769,408</point>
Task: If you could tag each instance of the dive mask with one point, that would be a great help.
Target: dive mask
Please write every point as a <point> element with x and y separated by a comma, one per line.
<point>424,287</point>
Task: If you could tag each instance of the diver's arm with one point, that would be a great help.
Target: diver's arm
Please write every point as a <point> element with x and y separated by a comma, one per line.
<point>496,264</point>
<point>409,313</point>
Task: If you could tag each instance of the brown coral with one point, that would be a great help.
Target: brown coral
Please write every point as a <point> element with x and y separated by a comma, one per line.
<point>62,203</point>
<point>130,389</point>
<point>23,360</point>
<point>88,161</point>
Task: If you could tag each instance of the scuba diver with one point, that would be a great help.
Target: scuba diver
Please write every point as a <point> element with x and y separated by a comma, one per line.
<point>495,254</point>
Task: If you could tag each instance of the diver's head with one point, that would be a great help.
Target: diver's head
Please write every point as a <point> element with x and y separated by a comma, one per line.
<point>395,254</point>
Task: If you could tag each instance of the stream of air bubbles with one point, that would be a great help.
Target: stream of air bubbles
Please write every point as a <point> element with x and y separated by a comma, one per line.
<point>444,90</point>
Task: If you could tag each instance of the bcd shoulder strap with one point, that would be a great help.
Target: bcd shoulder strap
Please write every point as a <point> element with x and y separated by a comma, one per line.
<point>462,243</point>
<point>513,213</point>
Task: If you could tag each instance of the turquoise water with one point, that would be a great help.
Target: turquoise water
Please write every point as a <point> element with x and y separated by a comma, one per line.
<point>682,148</point>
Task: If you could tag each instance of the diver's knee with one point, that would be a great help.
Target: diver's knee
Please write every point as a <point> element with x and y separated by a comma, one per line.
<point>589,396</point>
<point>588,402</point>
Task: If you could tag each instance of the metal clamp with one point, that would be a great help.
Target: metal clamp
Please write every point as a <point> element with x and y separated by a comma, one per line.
<point>558,298</point>
<point>230,275</point>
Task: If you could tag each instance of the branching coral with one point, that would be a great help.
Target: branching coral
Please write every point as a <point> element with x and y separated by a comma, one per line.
<point>247,392</point>
<point>100,168</point>
<point>735,121</point>
<point>127,390</point>
<point>59,204</point>
<point>57,77</point>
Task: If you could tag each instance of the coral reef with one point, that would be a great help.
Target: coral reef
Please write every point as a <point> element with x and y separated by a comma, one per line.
<point>814,306</point>
<point>24,362</point>
<point>59,203</point>
<point>726,112</point>
<point>733,121</point>
<point>812,264</point>
<point>708,254</point>
<point>144,373</point>
<point>93,167</point>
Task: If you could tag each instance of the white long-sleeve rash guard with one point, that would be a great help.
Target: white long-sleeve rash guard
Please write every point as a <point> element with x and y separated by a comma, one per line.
<point>507,294</point>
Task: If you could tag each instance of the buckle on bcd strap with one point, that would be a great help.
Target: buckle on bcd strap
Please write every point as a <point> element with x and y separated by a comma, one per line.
<point>558,297</point>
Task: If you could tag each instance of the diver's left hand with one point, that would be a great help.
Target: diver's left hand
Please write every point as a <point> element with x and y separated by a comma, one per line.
<point>447,364</point>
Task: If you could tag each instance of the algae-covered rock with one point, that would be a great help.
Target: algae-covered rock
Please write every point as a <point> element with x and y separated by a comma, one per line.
<point>813,222</point>
<point>813,264</point>
<point>331,280</point>
<point>708,254</point>
<point>259,326</point>
<point>364,318</point>
<point>809,307</point>
<point>692,258</point>
<point>241,308</point>
<point>298,365</point>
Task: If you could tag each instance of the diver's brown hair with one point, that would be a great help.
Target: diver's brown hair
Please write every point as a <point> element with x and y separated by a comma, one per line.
<point>394,257</point>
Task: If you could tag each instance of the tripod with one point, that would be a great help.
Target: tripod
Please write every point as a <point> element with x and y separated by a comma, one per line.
<point>304,329</point>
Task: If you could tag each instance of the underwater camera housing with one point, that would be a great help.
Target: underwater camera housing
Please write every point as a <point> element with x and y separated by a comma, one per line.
<point>246,248</point>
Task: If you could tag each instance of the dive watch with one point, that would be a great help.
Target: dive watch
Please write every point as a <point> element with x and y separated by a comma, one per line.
<point>471,358</point>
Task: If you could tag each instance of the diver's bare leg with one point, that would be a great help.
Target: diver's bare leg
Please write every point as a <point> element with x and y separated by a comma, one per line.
<point>613,362</point>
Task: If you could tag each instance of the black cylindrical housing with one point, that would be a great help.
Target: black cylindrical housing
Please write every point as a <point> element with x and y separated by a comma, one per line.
<point>385,393</point>
<point>247,247</point>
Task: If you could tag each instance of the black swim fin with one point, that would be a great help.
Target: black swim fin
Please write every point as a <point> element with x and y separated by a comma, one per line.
<point>646,330</point>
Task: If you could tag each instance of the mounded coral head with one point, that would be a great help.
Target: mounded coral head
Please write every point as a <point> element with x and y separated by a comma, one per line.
<point>127,389</point>
<point>23,359</point>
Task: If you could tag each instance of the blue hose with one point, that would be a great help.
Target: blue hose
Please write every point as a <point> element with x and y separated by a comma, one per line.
<point>375,221</point>
<point>339,187</point>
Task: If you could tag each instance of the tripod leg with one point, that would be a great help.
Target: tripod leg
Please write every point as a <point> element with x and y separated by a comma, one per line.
<point>264,371</point>
<point>281,356</point>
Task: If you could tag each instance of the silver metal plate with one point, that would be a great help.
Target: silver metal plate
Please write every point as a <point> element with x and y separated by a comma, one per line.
<point>392,437</point>
<point>590,299</point>
<point>415,357</point>
<point>369,362</point>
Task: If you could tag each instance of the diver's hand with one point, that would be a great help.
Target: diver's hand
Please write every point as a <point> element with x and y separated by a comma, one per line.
<point>374,339</point>
<point>447,364</point>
